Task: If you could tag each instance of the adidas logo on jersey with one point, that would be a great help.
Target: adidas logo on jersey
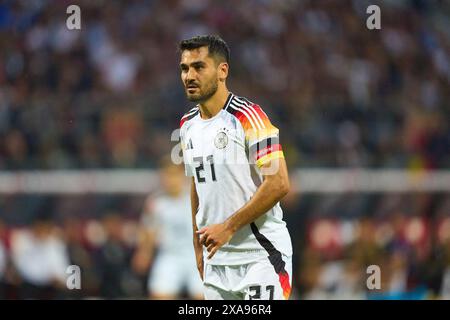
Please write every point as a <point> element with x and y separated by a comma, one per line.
<point>189,145</point>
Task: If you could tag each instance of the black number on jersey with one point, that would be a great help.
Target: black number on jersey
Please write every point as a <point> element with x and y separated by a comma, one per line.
<point>210,159</point>
<point>257,290</point>
<point>200,168</point>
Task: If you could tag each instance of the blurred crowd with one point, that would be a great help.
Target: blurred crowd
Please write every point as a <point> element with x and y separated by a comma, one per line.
<point>109,95</point>
<point>35,259</point>
<point>406,235</point>
<point>338,239</point>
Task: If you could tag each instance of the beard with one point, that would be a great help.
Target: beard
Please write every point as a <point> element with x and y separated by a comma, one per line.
<point>203,93</point>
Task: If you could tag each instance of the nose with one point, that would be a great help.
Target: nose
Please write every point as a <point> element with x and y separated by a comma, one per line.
<point>190,75</point>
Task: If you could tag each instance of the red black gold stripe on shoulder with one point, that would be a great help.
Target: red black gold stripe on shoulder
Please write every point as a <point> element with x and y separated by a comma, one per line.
<point>189,115</point>
<point>251,116</point>
<point>261,135</point>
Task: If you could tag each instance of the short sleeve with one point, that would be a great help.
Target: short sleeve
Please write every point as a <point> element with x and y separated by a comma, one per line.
<point>187,167</point>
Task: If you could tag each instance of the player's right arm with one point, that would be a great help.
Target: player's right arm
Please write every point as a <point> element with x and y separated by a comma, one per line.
<point>194,197</point>
<point>197,246</point>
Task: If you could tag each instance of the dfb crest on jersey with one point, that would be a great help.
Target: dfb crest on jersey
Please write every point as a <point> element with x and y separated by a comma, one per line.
<point>221,139</point>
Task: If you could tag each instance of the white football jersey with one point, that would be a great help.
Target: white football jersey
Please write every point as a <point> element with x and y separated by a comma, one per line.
<point>224,154</point>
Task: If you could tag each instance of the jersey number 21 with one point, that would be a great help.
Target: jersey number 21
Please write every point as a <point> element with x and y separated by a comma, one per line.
<point>200,168</point>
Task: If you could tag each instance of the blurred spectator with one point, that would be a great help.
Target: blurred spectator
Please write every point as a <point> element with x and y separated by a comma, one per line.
<point>339,280</point>
<point>3,262</point>
<point>79,255</point>
<point>444,291</point>
<point>113,261</point>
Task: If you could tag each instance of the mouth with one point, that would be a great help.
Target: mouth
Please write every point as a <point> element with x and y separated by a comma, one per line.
<point>191,88</point>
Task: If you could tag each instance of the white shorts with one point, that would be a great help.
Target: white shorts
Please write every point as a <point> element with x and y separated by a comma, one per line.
<point>265,279</point>
<point>170,274</point>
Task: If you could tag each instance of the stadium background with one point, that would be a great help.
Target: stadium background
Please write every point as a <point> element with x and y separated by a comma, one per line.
<point>344,97</point>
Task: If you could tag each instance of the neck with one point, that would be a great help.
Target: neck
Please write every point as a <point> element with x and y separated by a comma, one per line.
<point>213,105</point>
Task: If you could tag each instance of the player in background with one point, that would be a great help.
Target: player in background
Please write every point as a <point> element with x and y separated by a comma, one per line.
<point>165,239</point>
<point>238,173</point>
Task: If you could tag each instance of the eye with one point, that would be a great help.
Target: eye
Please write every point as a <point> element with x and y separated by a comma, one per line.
<point>199,66</point>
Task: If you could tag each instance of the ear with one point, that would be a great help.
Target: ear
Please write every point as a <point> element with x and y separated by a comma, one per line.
<point>223,71</point>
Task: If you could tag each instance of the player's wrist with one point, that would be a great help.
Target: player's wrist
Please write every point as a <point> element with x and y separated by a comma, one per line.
<point>230,226</point>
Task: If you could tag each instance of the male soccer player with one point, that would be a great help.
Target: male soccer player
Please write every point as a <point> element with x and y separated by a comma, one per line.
<point>232,151</point>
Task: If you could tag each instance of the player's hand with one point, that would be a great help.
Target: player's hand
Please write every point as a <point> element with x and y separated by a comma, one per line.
<point>214,236</point>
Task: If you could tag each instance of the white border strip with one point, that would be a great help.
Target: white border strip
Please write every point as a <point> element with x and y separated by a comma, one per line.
<point>145,181</point>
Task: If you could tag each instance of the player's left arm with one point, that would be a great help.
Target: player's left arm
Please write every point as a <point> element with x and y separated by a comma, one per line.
<point>273,188</point>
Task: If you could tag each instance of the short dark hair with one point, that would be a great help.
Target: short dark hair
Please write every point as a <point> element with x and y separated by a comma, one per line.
<point>217,47</point>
